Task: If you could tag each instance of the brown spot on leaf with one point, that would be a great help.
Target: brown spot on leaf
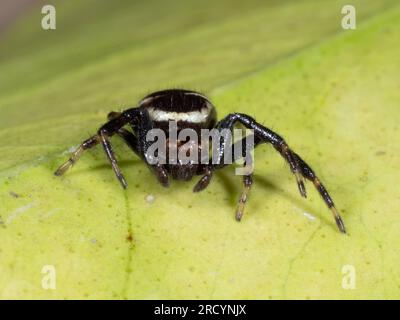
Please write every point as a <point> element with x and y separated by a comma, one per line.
<point>129,237</point>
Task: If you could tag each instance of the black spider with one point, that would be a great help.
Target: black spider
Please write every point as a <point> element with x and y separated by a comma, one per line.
<point>189,109</point>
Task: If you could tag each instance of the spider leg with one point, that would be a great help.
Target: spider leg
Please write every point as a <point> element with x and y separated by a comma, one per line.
<point>132,141</point>
<point>309,174</point>
<point>263,134</point>
<point>247,182</point>
<point>207,170</point>
<point>113,114</point>
<point>105,141</point>
<point>300,169</point>
<point>161,174</point>
<point>87,144</point>
<point>116,122</point>
<point>113,126</point>
<point>204,180</point>
<point>248,176</point>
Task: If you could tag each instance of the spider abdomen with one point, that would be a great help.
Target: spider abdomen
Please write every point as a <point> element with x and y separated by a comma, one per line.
<point>188,109</point>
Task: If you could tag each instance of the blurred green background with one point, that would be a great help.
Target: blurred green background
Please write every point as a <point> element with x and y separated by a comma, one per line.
<point>332,93</point>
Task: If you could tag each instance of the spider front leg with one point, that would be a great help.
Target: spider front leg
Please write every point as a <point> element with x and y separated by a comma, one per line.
<point>224,145</point>
<point>247,182</point>
<point>105,141</point>
<point>133,143</point>
<point>87,144</point>
<point>103,137</point>
<point>300,168</point>
<point>117,120</point>
<point>204,180</point>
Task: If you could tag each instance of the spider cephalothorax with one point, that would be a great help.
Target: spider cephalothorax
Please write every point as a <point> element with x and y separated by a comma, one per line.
<point>191,110</point>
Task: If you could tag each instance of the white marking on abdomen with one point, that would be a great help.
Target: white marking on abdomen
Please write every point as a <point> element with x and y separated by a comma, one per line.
<point>192,116</point>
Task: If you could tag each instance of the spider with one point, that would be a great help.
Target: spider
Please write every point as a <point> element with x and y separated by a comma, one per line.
<point>193,110</point>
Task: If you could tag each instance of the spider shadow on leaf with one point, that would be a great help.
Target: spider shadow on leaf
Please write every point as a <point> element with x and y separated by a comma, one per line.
<point>295,199</point>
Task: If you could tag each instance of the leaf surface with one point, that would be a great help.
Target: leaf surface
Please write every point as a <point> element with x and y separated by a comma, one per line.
<point>333,94</point>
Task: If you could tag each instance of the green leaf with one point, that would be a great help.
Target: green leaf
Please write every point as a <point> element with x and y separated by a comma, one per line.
<point>333,94</point>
